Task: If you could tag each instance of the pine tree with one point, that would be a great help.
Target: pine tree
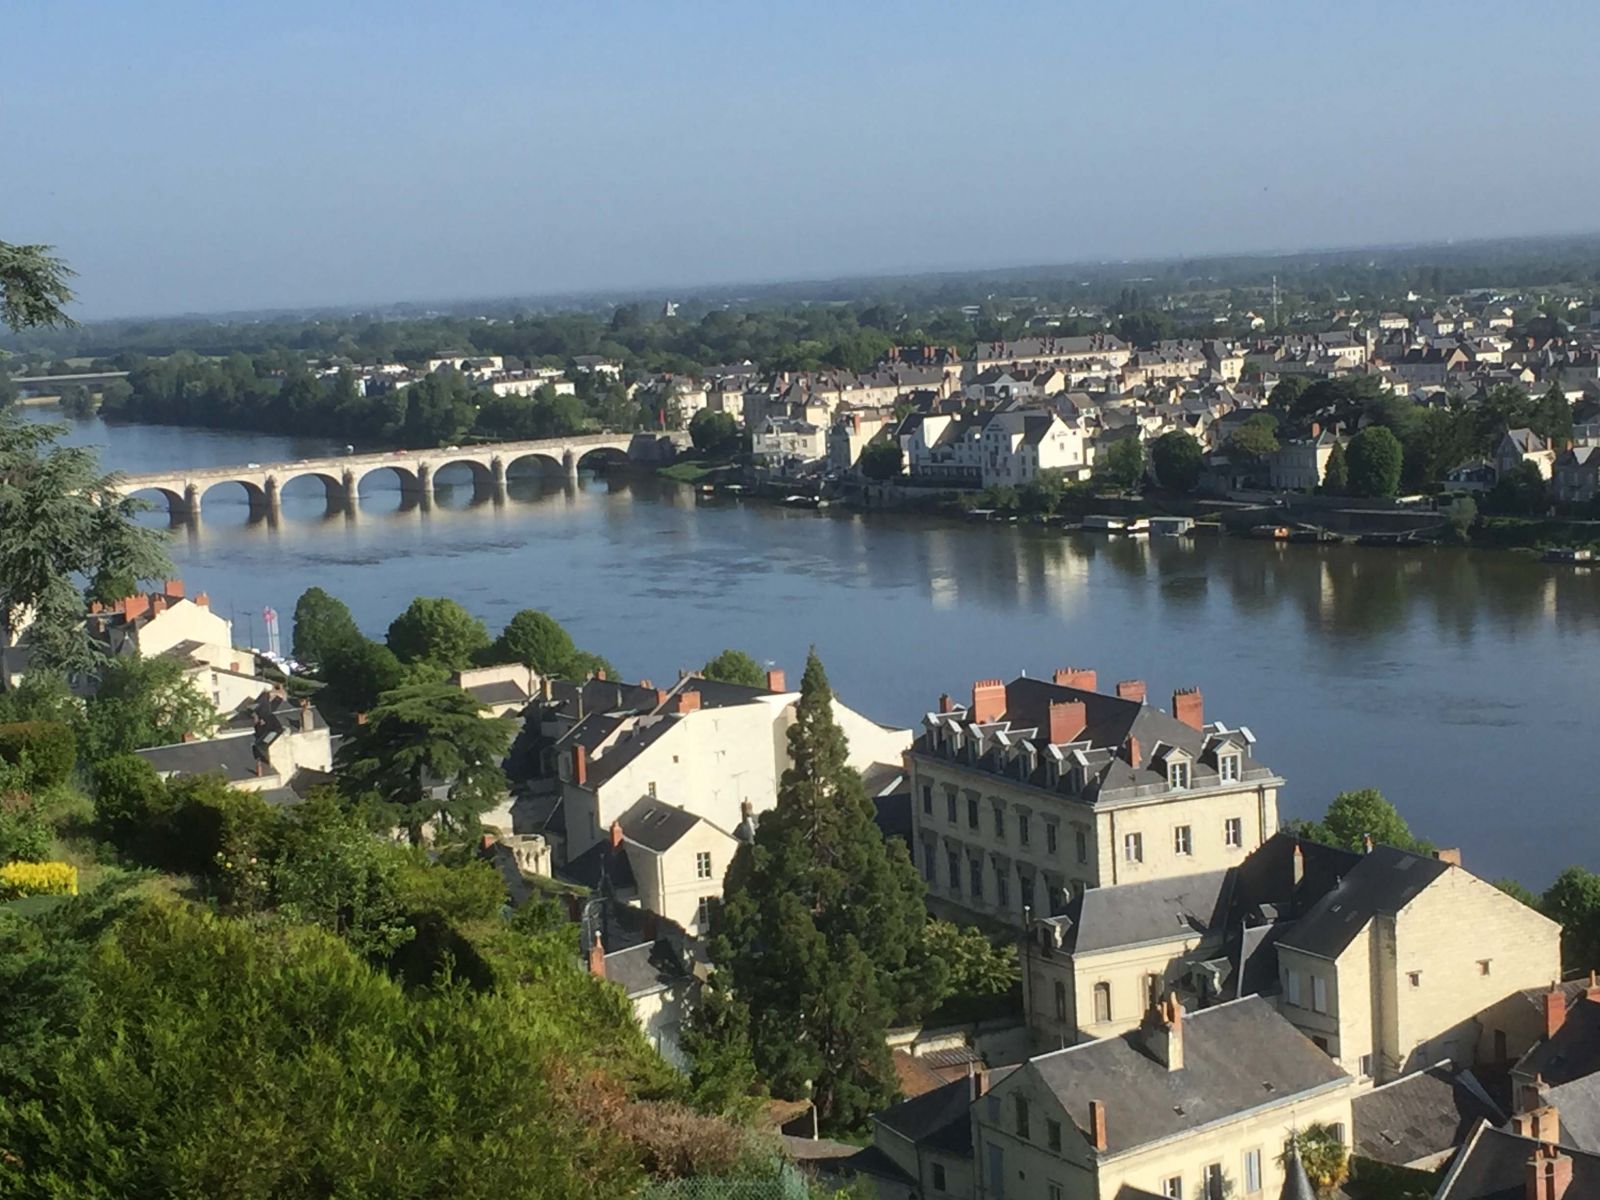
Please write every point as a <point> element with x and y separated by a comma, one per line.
<point>821,929</point>
<point>1336,476</point>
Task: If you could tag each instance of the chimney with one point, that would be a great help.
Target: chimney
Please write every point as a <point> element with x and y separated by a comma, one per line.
<point>1068,718</point>
<point>601,674</point>
<point>305,716</point>
<point>980,1083</point>
<point>1529,1097</point>
<point>95,606</point>
<point>189,735</point>
<point>261,768</point>
<point>1555,1010</point>
<point>776,682</point>
<point>688,702</point>
<point>361,718</point>
<point>1549,1174</point>
<point>134,607</point>
<point>1189,707</point>
<point>661,697</point>
<point>1164,1031</point>
<point>173,589</point>
<point>203,599</point>
<point>1081,678</point>
<point>597,957</point>
<point>1592,992</point>
<point>1450,854</point>
<point>988,701</point>
<point>945,703</point>
<point>1097,1125</point>
<point>1131,750</point>
<point>616,834</point>
<point>580,766</point>
<point>1131,689</point>
<point>1366,843</point>
<point>158,604</point>
<point>1299,857</point>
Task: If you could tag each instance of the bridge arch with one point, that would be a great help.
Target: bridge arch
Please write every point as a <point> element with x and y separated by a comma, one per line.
<point>547,463</point>
<point>482,473</point>
<point>255,494</point>
<point>600,457</point>
<point>333,489</point>
<point>410,482</point>
<point>176,505</point>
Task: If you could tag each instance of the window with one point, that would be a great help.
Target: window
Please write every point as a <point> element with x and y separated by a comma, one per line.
<point>702,911</point>
<point>1211,1181</point>
<point>1083,845</point>
<point>702,865</point>
<point>1228,768</point>
<point>1002,887</point>
<point>927,799</point>
<point>1365,1066</point>
<point>950,805</point>
<point>1000,822</point>
<point>1102,1002</point>
<point>1319,994</point>
<point>1233,832</point>
<point>1252,1172</point>
<point>1133,847</point>
<point>1152,988</point>
<point>1336,1128</point>
<point>1178,774</point>
<point>1052,1134</point>
<point>953,860</point>
<point>1019,1107</point>
<point>1291,987</point>
<point>1483,965</point>
<point>975,876</point>
<point>1023,832</point>
<point>1415,977</point>
<point>1049,839</point>
<point>972,812</point>
<point>1173,1187</point>
<point>1061,1001</point>
<point>938,1177</point>
<point>651,788</point>
<point>1054,1191</point>
<point>1182,840</point>
<point>930,861</point>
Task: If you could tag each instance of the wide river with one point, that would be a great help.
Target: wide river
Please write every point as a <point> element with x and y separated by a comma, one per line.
<point>1460,684</point>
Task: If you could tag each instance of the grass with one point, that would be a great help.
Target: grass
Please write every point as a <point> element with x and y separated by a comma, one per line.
<point>689,470</point>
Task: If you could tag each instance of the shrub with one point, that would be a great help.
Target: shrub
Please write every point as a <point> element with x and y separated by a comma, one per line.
<point>51,750</point>
<point>131,804</point>
<point>24,833</point>
<point>19,879</point>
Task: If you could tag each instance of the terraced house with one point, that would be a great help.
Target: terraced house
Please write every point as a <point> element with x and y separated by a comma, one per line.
<point>1040,789</point>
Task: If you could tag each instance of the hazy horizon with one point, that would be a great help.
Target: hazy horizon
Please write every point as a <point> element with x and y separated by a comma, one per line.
<point>192,159</point>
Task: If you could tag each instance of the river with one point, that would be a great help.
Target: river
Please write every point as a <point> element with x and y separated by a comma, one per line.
<point>1459,683</point>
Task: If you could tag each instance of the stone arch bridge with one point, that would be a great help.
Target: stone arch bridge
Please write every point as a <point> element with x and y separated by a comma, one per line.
<point>341,475</point>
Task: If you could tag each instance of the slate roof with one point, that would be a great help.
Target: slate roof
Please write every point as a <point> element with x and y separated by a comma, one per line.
<point>1238,1056</point>
<point>233,755</point>
<point>939,1119</point>
<point>1578,1104</point>
<point>1574,1051</point>
<point>1421,1115</point>
<point>504,691</point>
<point>655,824</point>
<point>1135,913</point>
<point>645,968</point>
<point>1493,1166</point>
<point>1382,882</point>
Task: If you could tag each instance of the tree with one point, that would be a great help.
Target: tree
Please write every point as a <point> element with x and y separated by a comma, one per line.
<point>1321,1152</point>
<point>33,287</point>
<point>534,639</point>
<point>821,927</point>
<point>356,673</point>
<point>436,629</point>
<point>883,460</point>
<point>735,666</point>
<point>722,1077</point>
<point>430,755</point>
<point>1255,439</point>
<point>1284,399</point>
<point>714,434</point>
<point>1517,891</point>
<point>321,623</point>
<point>76,402</point>
<point>1124,464</point>
<point>1573,901</point>
<point>977,966</point>
<point>1375,459</point>
<point>145,702</point>
<point>1176,458</point>
<point>1336,475</point>
<point>583,664</point>
<point>66,538</point>
<point>1043,493</point>
<point>1552,417</point>
<point>1354,816</point>
<point>1520,492</point>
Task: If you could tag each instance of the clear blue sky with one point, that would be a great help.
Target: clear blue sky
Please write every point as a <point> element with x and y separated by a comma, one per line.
<point>191,157</point>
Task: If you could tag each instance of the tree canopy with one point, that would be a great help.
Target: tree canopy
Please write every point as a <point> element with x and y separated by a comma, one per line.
<point>322,623</point>
<point>1177,458</point>
<point>883,460</point>
<point>1123,466</point>
<point>435,629</point>
<point>1353,816</point>
<point>145,702</point>
<point>535,639</point>
<point>33,286</point>
<point>735,666</point>
<point>1375,460</point>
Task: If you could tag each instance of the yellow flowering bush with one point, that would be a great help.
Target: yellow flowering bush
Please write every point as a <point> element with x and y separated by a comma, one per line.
<point>19,879</point>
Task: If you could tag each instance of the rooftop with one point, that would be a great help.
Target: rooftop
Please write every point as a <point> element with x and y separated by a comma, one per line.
<point>1426,1113</point>
<point>1382,882</point>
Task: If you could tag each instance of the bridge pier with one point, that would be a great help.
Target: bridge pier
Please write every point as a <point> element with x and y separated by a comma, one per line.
<point>189,507</point>
<point>271,505</point>
<point>347,497</point>
<point>569,460</point>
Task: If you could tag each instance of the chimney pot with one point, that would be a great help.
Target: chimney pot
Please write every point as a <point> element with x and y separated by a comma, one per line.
<point>173,588</point>
<point>1366,843</point>
<point>1189,707</point>
<point>597,957</point>
<point>600,674</point>
<point>1131,689</point>
<point>616,834</point>
<point>1299,857</point>
<point>1068,719</point>
<point>1555,1009</point>
<point>988,701</point>
<point>776,681</point>
<point>1082,678</point>
<point>580,766</point>
<point>1097,1125</point>
<point>1449,854</point>
<point>945,703</point>
<point>688,702</point>
<point>1549,1174</point>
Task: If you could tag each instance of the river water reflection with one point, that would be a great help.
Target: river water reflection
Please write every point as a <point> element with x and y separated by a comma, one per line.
<point>1459,684</point>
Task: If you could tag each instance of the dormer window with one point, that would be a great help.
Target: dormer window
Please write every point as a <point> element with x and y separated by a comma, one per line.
<point>1228,767</point>
<point>1178,773</point>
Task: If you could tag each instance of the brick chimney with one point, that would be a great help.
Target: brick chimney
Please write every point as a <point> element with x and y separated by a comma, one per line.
<point>988,701</point>
<point>688,702</point>
<point>261,768</point>
<point>600,674</point>
<point>1555,1010</point>
<point>173,589</point>
<point>776,681</point>
<point>661,697</point>
<point>945,703</point>
<point>1131,689</point>
<point>133,607</point>
<point>1163,1033</point>
<point>616,834</point>
<point>1189,707</point>
<point>189,735</point>
<point>1097,1125</point>
<point>1130,750</point>
<point>1450,854</point>
<point>1366,843</point>
<point>980,1083</point>
<point>597,957</point>
<point>580,766</point>
<point>305,716</point>
<point>1082,678</point>
<point>1592,992</point>
<point>361,718</point>
<point>1068,719</point>
<point>158,604</point>
<point>1549,1174</point>
<point>1299,859</point>
<point>203,599</point>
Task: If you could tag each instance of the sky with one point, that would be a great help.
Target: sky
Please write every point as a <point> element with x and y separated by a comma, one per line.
<point>203,157</point>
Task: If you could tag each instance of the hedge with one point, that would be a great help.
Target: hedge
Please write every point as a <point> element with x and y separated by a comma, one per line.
<point>21,879</point>
<point>51,747</point>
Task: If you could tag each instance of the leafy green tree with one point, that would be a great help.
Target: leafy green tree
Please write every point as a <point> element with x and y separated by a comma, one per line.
<point>437,630</point>
<point>883,460</point>
<point>25,833</point>
<point>1255,439</point>
<point>821,928</point>
<point>145,702</point>
<point>1517,891</point>
<point>355,674</point>
<point>977,966</point>
<point>430,755</point>
<point>1462,515</point>
<point>1043,493</point>
<point>1520,492</point>
<point>1284,399</point>
<point>1177,458</point>
<point>1124,464</point>
<point>535,639</point>
<point>1573,901</point>
<point>33,287</point>
<point>1353,816</point>
<point>735,666</point>
<point>66,538</point>
<point>1375,460</point>
<point>583,664</point>
<point>321,622</point>
<point>1552,418</point>
<point>77,403</point>
<point>1336,475</point>
<point>114,397</point>
<point>714,434</point>
<point>722,1077</point>
<point>1322,1153</point>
